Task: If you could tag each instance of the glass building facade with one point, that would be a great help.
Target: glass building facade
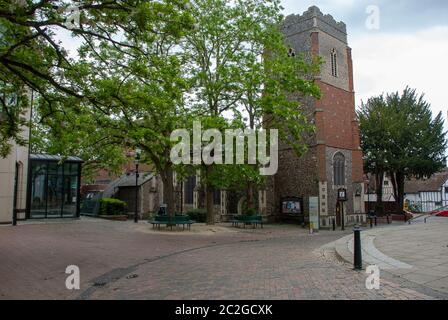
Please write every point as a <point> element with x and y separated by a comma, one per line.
<point>53,187</point>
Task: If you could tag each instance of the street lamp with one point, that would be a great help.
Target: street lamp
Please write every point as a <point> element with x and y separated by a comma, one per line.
<point>368,196</point>
<point>136,161</point>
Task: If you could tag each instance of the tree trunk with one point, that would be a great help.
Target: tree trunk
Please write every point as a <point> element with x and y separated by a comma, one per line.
<point>379,181</point>
<point>168,190</point>
<point>398,186</point>
<point>400,192</point>
<point>250,195</point>
<point>209,197</point>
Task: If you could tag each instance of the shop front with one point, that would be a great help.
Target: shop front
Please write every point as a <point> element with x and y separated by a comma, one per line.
<point>53,187</point>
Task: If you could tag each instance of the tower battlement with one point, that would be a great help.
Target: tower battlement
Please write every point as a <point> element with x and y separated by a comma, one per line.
<point>313,18</point>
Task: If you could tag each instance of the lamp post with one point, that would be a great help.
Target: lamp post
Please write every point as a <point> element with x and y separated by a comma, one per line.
<point>136,161</point>
<point>368,197</point>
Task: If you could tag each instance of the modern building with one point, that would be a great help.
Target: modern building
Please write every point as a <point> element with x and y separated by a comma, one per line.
<point>37,186</point>
<point>13,178</point>
<point>53,189</point>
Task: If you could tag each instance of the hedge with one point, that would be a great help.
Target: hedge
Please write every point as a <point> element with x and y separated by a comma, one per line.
<point>198,215</point>
<point>112,207</point>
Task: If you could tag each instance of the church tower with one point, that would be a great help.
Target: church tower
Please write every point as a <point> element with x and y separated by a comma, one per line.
<point>334,158</point>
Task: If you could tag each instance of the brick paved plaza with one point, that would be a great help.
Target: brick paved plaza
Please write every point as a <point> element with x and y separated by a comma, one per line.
<point>416,253</point>
<point>120,260</point>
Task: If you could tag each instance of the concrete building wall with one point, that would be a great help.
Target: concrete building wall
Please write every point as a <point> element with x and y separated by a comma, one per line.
<point>19,155</point>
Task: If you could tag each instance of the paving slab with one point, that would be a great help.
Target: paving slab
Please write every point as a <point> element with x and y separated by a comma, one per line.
<point>417,253</point>
<point>123,260</point>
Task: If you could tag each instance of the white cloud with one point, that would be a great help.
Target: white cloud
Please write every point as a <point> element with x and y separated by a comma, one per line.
<point>388,62</point>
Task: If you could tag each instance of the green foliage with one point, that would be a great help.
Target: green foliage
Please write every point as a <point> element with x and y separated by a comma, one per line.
<point>415,208</point>
<point>400,137</point>
<point>398,133</point>
<point>31,57</point>
<point>250,212</point>
<point>198,215</point>
<point>146,68</point>
<point>112,207</point>
<point>239,68</point>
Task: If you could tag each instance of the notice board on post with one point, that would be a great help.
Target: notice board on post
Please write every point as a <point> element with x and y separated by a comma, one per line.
<point>314,213</point>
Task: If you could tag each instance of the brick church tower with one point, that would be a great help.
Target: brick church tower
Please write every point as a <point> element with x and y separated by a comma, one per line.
<point>334,158</point>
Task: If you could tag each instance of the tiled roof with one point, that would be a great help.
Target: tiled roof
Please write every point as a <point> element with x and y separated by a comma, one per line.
<point>128,180</point>
<point>434,183</point>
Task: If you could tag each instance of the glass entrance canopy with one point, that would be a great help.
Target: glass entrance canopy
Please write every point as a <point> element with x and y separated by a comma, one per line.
<point>53,187</point>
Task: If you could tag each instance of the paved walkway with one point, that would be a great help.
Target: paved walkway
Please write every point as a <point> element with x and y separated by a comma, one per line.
<point>415,254</point>
<point>121,260</point>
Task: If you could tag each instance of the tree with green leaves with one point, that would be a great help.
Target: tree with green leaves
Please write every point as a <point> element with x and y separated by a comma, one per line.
<point>132,94</point>
<point>400,137</point>
<point>32,57</point>
<point>136,83</point>
<point>240,69</point>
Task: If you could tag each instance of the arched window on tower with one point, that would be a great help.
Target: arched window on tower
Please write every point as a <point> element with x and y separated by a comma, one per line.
<point>339,169</point>
<point>334,63</point>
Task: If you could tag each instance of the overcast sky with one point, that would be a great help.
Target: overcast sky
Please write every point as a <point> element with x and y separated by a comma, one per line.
<point>409,48</point>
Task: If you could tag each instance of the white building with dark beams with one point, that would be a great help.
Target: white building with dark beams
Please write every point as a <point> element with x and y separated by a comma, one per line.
<point>428,194</point>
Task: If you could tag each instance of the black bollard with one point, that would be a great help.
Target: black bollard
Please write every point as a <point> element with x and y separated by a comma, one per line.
<point>357,259</point>
<point>375,222</point>
<point>371,222</point>
<point>14,217</point>
<point>388,221</point>
<point>334,224</point>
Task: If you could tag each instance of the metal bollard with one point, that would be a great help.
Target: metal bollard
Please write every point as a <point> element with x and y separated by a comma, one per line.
<point>371,222</point>
<point>375,222</point>
<point>334,224</point>
<point>357,259</point>
<point>388,221</point>
<point>14,217</point>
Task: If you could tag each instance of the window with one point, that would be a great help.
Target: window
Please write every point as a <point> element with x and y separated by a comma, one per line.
<point>446,190</point>
<point>54,188</point>
<point>190,184</point>
<point>334,63</point>
<point>386,183</point>
<point>339,169</point>
<point>216,197</point>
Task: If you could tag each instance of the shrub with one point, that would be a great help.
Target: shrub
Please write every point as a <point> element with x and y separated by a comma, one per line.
<point>250,212</point>
<point>198,215</point>
<point>112,207</point>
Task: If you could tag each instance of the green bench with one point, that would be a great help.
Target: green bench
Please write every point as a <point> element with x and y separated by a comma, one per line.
<point>245,220</point>
<point>157,221</point>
